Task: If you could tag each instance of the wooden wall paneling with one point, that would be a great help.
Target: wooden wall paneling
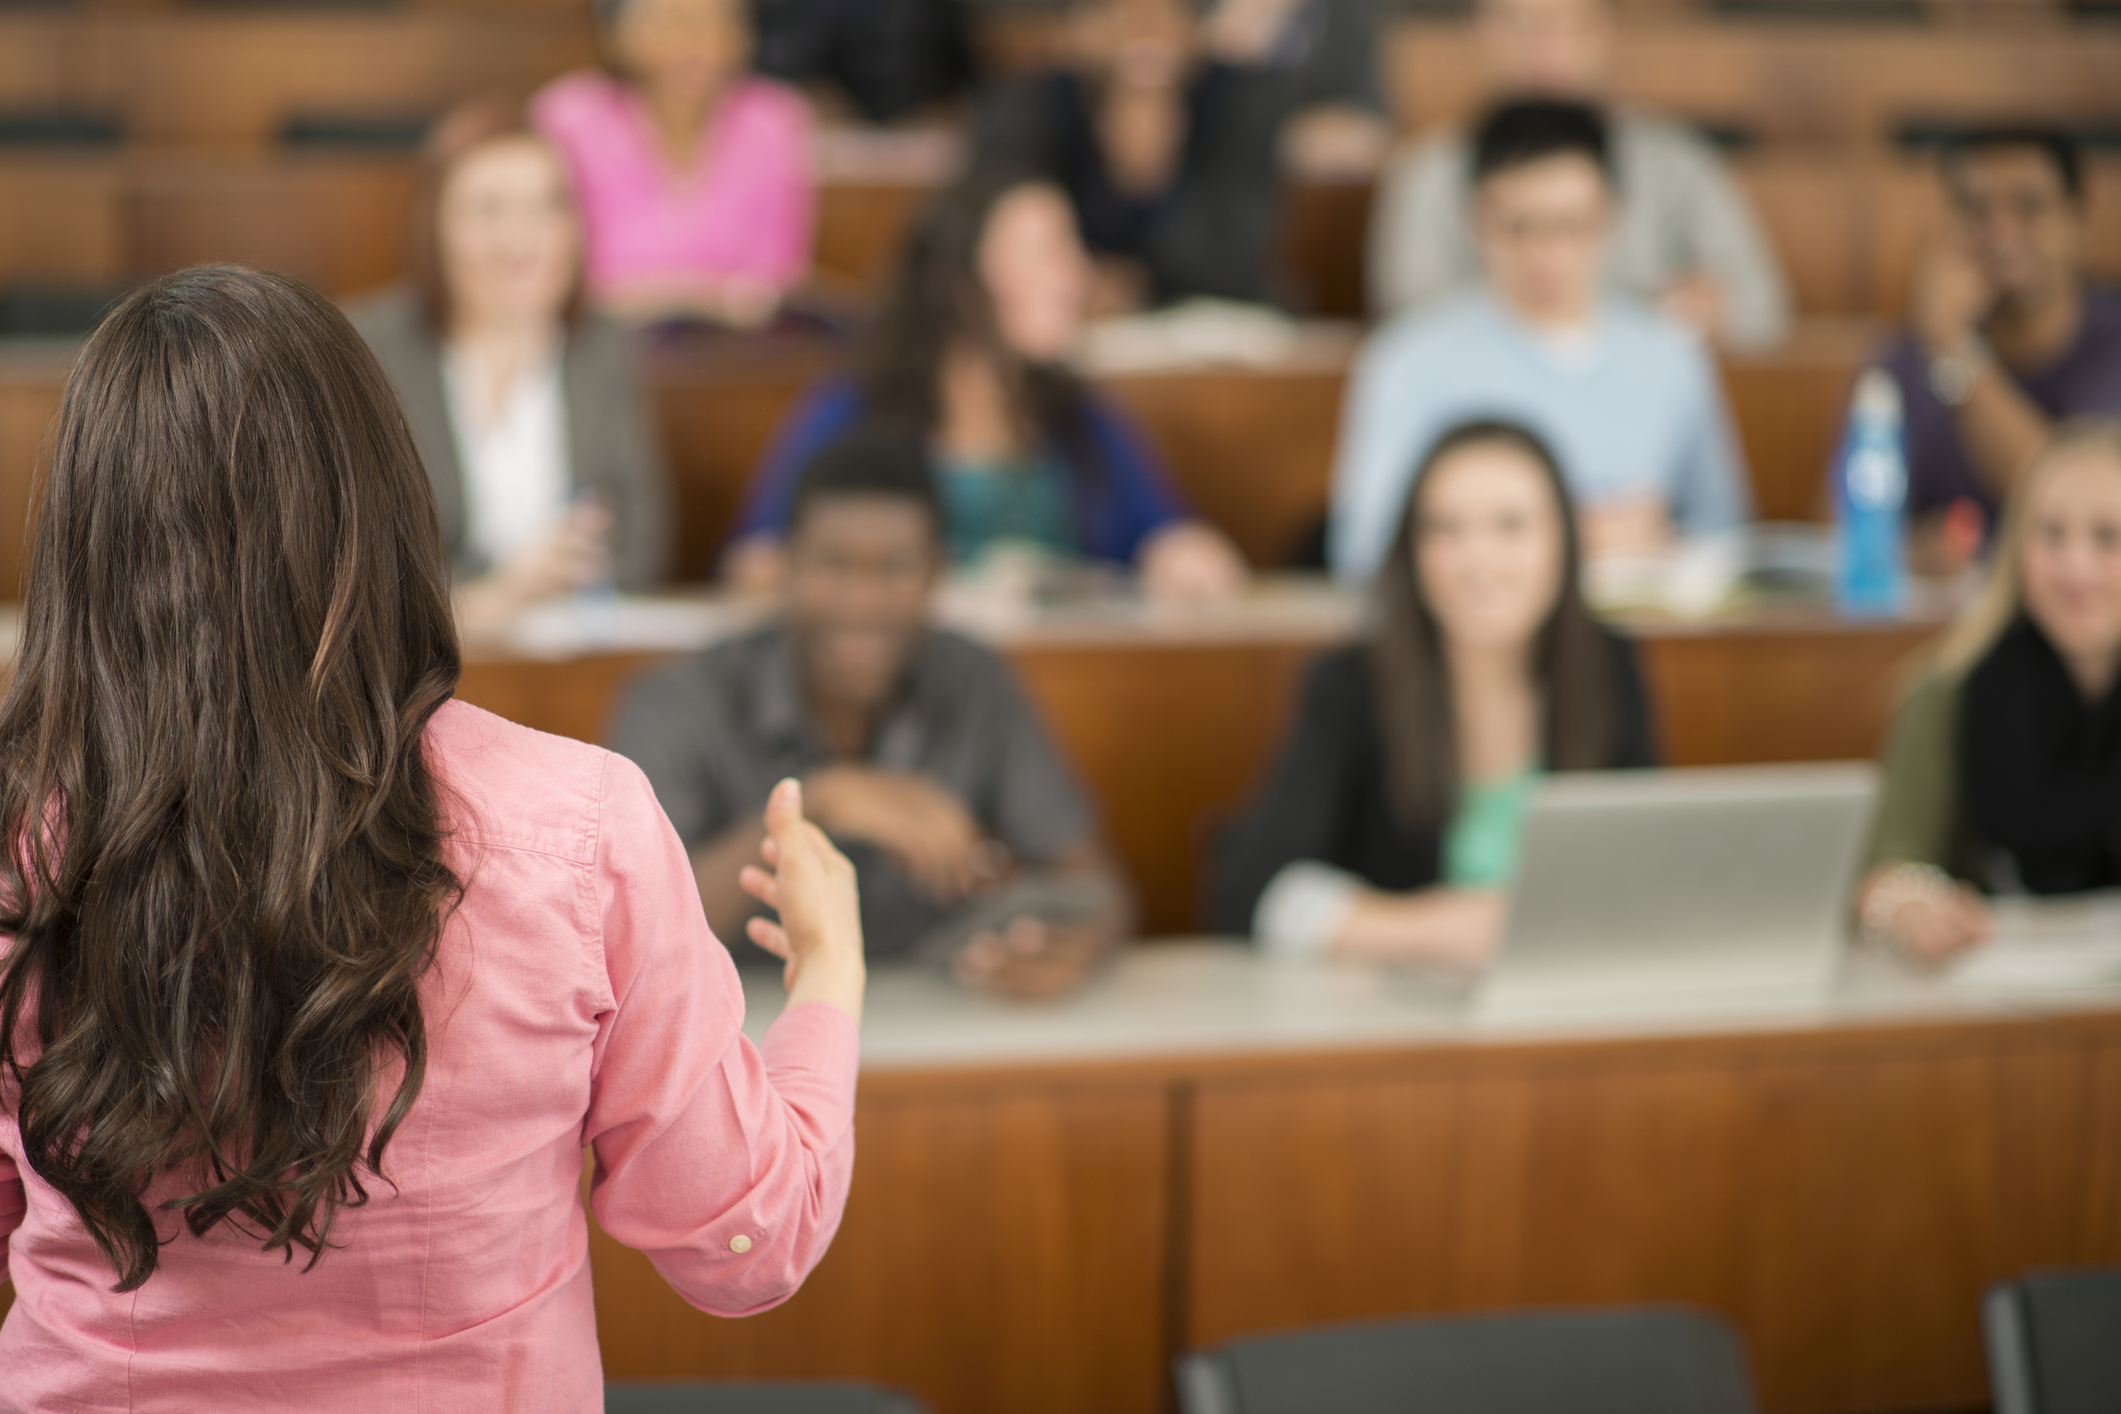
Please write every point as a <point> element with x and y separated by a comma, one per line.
<point>234,77</point>
<point>1253,451</point>
<point>44,59</point>
<point>1767,695</point>
<point>1001,1250</point>
<point>1789,405</point>
<point>334,221</point>
<point>1845,1202</point>
<point>1325,232</point>
<point>1169,740</point>
<point>573,697</point>
<point>1795,81</point>
<point>719,413</point>
<point>25,416</point>
<point>860,227</point>
<point>62,218</point>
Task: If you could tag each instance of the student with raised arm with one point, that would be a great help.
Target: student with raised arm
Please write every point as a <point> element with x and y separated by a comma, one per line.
<point>1628,399</point>
<point>919,753</point>
<point>1686,238</point>
<point>694,173</point>
<point>2003,772</point>
<point>970,357</point>
<point>1388,828</point>
<point>527,409</point>
<point>315,983</point>
<point>2007,335</point>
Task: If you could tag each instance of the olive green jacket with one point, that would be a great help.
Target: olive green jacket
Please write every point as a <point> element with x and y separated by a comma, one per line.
<point>1922,816</point>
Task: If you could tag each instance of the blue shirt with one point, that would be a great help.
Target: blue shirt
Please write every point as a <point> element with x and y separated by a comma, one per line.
<point>1637,412</point>
<point>1117,494</point>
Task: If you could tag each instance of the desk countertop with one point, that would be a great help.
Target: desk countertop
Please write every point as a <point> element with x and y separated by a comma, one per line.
<point>1175,1001</point>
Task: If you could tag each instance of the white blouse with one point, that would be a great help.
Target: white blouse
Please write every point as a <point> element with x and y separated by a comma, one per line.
<point>516,477</point>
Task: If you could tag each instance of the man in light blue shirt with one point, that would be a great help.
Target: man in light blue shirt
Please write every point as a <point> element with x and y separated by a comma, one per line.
<point>1628,399</point>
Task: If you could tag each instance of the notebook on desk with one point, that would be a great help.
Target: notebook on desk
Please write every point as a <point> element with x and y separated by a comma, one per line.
<point>1653,891</point>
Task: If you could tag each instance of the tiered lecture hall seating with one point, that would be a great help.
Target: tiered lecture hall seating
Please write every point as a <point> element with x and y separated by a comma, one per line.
<point>1045,1232</point>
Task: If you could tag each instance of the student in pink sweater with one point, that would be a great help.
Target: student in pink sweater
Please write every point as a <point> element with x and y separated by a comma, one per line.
<point>693,174</point>
<point>315,983</point>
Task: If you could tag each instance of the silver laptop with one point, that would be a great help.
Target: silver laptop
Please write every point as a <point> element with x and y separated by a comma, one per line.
<point>1685,889</point>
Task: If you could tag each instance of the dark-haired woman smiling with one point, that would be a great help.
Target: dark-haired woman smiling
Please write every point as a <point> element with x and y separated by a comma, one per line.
<point>1388,829</point>
<point>316,982</point>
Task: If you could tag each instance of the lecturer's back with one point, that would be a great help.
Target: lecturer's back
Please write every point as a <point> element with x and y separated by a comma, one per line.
<point>318,982</point>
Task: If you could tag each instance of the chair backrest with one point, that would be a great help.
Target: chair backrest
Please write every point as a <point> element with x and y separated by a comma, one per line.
<point>2052,1343</point>
<point>1637,1360</point>
<point>757,1397</point>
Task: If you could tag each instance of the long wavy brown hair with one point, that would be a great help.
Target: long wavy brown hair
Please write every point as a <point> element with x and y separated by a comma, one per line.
<point>1572,657</point>
<point>226,877</point>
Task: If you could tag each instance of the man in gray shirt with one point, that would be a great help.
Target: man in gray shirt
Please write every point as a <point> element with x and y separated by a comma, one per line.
<point>1686,239</point>
<point>917,751</point>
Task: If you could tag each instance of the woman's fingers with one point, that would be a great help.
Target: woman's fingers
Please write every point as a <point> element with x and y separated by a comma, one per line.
<point>760,885</point>
<point>770,936</point>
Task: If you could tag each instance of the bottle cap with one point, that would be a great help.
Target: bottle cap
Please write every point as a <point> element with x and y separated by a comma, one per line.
<point>1877,396</point>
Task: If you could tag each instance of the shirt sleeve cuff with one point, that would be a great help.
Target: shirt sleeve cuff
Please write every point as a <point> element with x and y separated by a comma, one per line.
<point>1304,908</point>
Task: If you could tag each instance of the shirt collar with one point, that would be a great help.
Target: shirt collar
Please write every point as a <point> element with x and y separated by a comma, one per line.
<point>781,718</point>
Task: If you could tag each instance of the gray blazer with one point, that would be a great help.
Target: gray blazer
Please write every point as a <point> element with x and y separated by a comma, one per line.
<point>612,447</point>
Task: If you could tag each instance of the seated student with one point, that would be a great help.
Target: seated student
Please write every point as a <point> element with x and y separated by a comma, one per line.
<point>2006,335</point>
<point>694,174</point>
<point>1628,399</point>
<point>1388,828</point>
<point>969,356</point>
<point>917,750</point>
<point>1686,238</point>
<point>534,429</point>
<point>2003,772</point>
<point>1168,156</point>
<point>1313,63</point>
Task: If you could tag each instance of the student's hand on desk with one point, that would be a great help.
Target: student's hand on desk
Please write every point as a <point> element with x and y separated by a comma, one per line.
<point>1191,562</point>
<point>811,887</point>
<point>573,555</point>
<point>1448,927</point>
<point>1931,925</point>
<point>1033,959</point>
<point>1635,527</point>
<point>923,827</point>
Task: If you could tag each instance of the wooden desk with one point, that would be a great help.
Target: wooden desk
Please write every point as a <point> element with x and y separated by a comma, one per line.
<point>1170,720</point>
<point>1049,1204</point>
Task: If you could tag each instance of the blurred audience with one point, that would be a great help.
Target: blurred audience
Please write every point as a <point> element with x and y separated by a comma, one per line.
<point>1628,399</point>
<point>917,750</point>
<point>1388,829</point>
<point>888,59</point>
<point>1686,238</point>
<point>2003,773</point>
<point>2005,333</point>
<point>1167,153</point>
<point>527,411</point>
<point>1313,64</point>
<point>693,173</point>
<point>969,356</point>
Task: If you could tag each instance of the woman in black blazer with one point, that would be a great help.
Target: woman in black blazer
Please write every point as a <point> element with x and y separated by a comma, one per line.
<point>527,411</point>
<point>1388,827</point>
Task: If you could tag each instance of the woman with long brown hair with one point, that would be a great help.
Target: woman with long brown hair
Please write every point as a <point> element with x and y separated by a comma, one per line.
<point>971,357</point>
<point>1388,828</point>
<point>315,983</point>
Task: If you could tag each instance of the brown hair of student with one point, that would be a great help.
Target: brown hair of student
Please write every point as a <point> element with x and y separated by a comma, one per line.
<point>455,136</point>
<point>226,876</point>
<point>938,303</point>
<point>1572,659</point>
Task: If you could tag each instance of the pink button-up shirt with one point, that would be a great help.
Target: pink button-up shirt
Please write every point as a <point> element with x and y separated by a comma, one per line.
<point>577,1000</point>
<point>744,209</point>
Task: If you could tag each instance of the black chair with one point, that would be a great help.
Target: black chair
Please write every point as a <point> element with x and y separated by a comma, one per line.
<point>2054,1343</point>
<point>757,1397</point>
<point>1636,1360</point>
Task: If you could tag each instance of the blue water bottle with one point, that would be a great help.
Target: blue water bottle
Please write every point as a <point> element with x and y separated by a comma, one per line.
<point>1870,504</point>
